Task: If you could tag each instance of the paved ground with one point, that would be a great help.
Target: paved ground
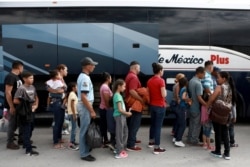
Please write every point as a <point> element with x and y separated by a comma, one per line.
<point>174,157</point>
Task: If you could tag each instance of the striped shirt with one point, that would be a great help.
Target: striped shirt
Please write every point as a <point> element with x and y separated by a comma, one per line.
<point>208,82</point>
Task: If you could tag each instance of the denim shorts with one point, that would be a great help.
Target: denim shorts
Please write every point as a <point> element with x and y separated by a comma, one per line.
<point>207,129</point>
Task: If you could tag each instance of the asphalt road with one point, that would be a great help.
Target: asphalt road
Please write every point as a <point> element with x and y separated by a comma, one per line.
<point>174,157</point>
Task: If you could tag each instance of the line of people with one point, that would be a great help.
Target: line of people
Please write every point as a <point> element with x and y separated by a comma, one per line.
<point>121,114</point>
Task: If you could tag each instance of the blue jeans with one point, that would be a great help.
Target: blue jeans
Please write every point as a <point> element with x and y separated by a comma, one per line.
<point>157,118</point>
<point>134,123</point>
<point>27,128</point>
<point>85,121</point>
<point>180,123</point>
<point>73,129</point>
<point>231,133</point>
<point>59,114</point>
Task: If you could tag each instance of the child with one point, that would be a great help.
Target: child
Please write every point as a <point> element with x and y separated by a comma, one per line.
<point>72,113</point>
<point>185,101</point>
<point>55,82</point>
<point>27,102</point>
<point>120,115</point>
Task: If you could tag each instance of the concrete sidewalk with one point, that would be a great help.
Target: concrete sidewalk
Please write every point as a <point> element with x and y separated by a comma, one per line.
<point>174,157</point>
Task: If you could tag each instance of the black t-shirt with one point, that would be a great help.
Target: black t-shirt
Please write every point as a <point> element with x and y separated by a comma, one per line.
<point>11,80</point>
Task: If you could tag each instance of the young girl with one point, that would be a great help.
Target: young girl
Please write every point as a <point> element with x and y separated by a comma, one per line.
<point>72,112</point>
<point>181,112</point>
<point>120,114</point>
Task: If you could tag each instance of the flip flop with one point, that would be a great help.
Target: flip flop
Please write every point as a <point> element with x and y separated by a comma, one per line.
<point>58,146</point>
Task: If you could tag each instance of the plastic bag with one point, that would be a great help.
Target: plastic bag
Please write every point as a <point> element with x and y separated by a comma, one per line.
<point>4,123</point>
<point>94,137</point>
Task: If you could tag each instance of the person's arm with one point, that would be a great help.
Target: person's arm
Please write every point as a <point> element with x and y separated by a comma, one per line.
<point>214,96</point>
<point>107,98</point>
<point>199,91</point>
<point>8,89</point>
<point>72,105</point>
<point>163,92</point>
<point>35,104</point>
<point>234,113</point>
<point>120,109</point>
<point>88,105</point>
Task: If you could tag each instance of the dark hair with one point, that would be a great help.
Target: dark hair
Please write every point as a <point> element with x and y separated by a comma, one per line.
<point>183,82</point>
<point>105,76</point>
<point>26,74</point>
<point>200,70</point>
<point>61,67</point>
<point>71,85</point>
<point>230,80</point>
<point>208,63</point>
<point>16,64</point>
<point>157,68</point>
<point>133,63</point>
<point>53,73</point>
<point>118,82</point>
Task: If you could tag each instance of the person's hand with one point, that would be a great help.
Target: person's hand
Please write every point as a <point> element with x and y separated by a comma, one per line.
<point>128,114</point>
<point>12,110</point>
<point>74,117</point>
<point>233,120</point>
<point>93,115</point>
<point>34,107</point>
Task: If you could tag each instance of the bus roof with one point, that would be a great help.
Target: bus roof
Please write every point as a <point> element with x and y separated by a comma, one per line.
<point>204,4</point>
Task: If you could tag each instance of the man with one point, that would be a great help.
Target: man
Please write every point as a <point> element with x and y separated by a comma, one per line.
<point>11,83</point>
<point>85,94</point>
<point>195,90</point>
<point>133,83</point>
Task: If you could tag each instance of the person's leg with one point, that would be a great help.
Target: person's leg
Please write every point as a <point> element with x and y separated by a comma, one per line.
<point>191,126</point>
<point>217,129</point>
<point>197,127</point>
<point>85,121</point>
<point>26,136</point>
<point>11,128</point>
<point>152,124</point>
<point>56,127</point>
<point>134,126</point>
<point>182,124</point>
<point>125,132</point>
<point>119,134</point>
<point>103,124</point>
<point>159,118</point>
<point>231,134</point>
<point>73,129</point>
<point>225,137</point>
<point>61,121</point>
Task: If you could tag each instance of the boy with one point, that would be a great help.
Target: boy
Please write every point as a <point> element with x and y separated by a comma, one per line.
<point>26,102</point>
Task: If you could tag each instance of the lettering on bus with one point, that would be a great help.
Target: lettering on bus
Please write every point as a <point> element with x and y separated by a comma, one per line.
<point>177,59</point>
<point>219,60</point>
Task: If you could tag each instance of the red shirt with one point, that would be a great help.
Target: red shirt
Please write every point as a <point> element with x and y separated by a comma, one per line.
<point>132,82</point>
<point>154,86</point>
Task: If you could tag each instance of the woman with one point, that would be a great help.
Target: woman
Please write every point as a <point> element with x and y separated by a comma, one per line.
<point>105,94</point>
<point>225,88</point>
<point>157,94</point>
<point>175,100</point>
<point>58,110</point>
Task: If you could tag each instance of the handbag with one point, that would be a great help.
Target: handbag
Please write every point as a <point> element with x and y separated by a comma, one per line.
<point>221,109</point>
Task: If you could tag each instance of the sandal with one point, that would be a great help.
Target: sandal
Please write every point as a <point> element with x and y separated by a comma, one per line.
<point>58,146</point>
<point>63,141</point>
<point>234,145</point>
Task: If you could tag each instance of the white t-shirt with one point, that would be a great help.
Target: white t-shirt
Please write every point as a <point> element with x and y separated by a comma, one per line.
<point>55,84</point>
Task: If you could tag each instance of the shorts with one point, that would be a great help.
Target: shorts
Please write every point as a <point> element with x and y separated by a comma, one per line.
<point>207,129</point>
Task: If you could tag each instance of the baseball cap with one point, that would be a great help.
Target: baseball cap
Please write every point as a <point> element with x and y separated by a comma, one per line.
<point>88,61</point>
<point>216,69</point>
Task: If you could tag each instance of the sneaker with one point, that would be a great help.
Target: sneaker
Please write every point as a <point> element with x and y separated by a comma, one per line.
<point>135,148</point>
<point>179,144</point>
<point>65,132</point>
<point>32,153</point>
<point>12,146</point>
<point>151,144</point>
<point>215,154</point>
<point>159,150</point>
<point>234,145</point>
<point>174,139</point>
<point>73,147</point>
<point>226,156</point>
<point>122,154</point>
<point>88,158</point>
<point>75,143</point>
